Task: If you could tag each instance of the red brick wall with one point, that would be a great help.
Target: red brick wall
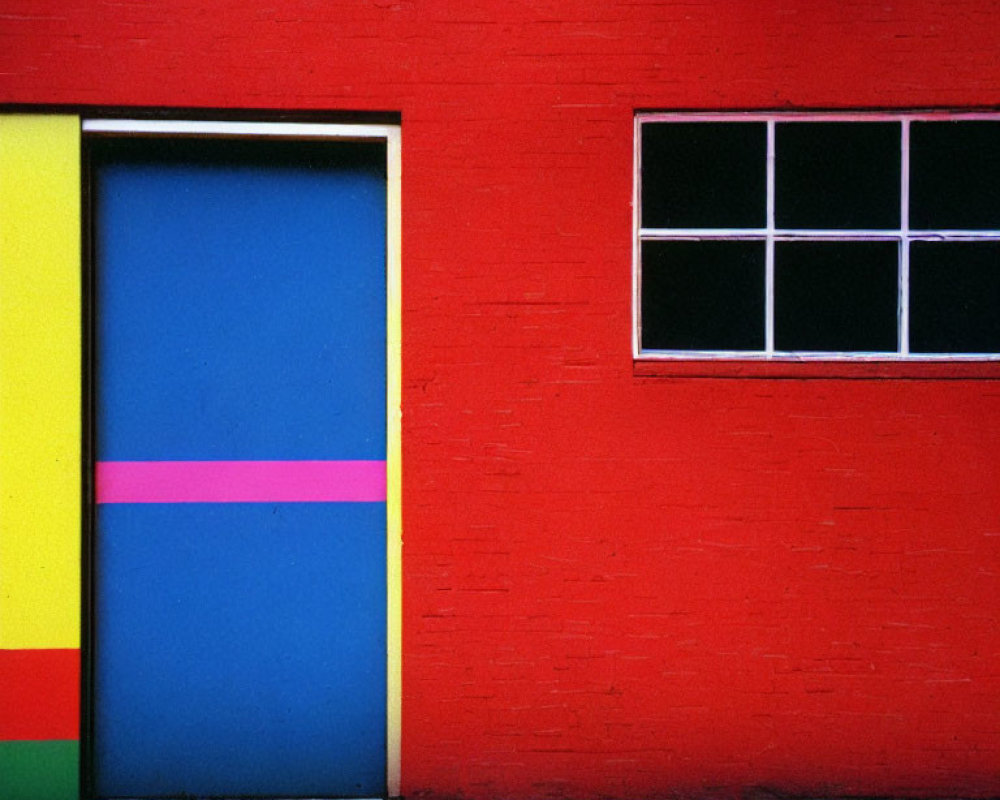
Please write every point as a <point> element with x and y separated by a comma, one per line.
<point>614,585</point>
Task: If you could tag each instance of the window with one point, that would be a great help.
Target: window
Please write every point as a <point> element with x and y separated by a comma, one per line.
<point>817,236</point>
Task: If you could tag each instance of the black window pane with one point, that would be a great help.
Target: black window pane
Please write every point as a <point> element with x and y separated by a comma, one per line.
<point>704,175</point>
<point>706,295</point>
<point>955,297</point>
<point>837,175</point>
<point>835,296</point>
<point>955,175</point>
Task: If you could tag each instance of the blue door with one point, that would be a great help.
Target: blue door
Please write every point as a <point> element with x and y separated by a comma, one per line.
<point>239,609</point>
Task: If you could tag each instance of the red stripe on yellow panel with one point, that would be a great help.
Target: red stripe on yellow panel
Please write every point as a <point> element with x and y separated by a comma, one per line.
<point>39,694</point>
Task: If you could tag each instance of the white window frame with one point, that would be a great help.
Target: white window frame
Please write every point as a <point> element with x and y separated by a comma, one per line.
<point>770,234</point>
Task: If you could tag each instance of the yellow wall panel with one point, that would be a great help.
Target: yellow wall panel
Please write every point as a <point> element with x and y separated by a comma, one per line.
<point>40,381</point>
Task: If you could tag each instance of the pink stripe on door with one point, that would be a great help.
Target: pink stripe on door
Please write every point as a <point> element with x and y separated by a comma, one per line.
<point>240,481</point>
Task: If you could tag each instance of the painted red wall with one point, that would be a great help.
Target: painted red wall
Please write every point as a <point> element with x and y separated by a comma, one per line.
<point>618,585</point>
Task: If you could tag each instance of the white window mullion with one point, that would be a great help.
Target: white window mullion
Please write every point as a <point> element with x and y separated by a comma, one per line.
<point>769,248</point>
<point>904,242</point>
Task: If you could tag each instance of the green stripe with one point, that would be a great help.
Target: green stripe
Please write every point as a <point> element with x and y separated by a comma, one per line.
<point>40,770</point>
